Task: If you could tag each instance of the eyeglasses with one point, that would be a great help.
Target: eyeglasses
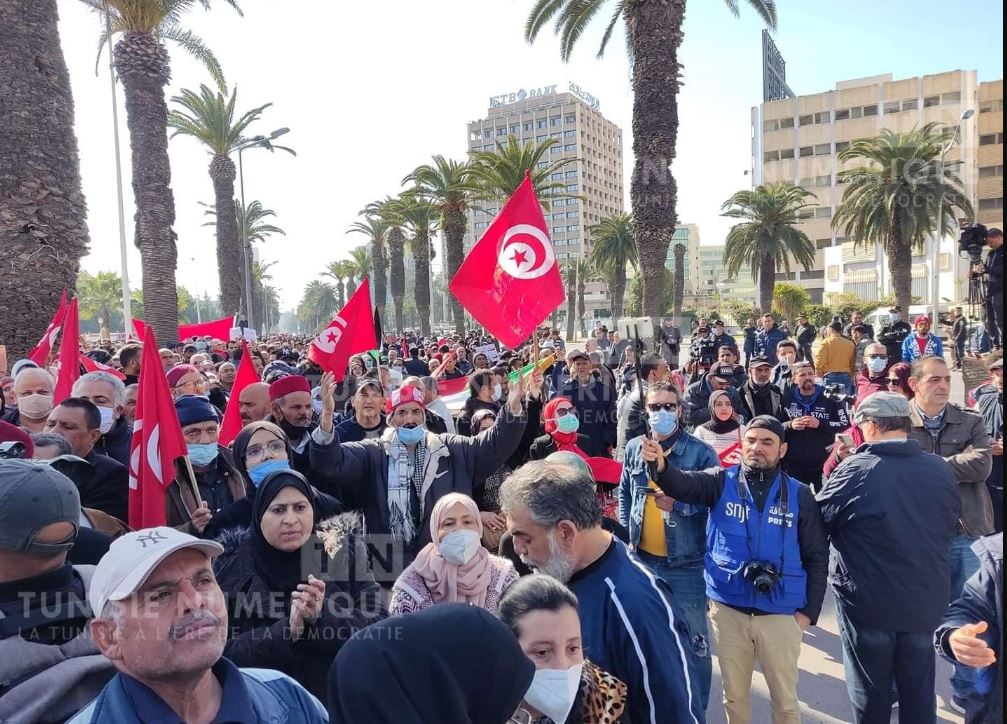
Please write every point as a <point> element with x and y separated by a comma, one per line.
<point>877,356</point>
<point>256,453</point>
<point>662,406</point>
<point>191,385</point>
<point>894,381</point>
<point>564,411</point>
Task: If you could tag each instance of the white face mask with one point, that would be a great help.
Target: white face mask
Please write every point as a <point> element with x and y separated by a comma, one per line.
<point>107,419</point>
<point>35,407</point>
<point>459,546</point>
<point>497,392</point>
<point>553,691</point>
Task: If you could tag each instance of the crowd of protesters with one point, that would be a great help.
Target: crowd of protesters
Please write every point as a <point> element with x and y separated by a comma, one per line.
<point>571,536</point>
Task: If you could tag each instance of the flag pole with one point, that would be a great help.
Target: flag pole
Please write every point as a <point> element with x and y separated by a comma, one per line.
<point>192,481</point>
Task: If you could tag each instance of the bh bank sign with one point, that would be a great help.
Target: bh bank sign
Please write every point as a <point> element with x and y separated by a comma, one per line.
<point>542,92</point>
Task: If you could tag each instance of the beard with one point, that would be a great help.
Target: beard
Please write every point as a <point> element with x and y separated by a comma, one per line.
<point>558,565</point>
<point>760,463</point>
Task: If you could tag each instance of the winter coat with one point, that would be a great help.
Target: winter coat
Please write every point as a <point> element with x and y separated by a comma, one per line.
<point>766,341</point>
<point>115,443</point>
<point>258,618</point>
<point>220,483</point>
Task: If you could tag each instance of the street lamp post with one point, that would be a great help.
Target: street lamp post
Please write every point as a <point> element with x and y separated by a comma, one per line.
<point>260,142</point>
<point>935,246</point>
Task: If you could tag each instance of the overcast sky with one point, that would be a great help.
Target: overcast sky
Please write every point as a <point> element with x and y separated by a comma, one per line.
<point>372,89</point>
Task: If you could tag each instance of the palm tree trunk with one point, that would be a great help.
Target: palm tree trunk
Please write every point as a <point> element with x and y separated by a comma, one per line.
<point>351,287</point>
<point>43,217</point>
<point>142,64</point>
<point>454,238</point>
<point>679,288</point>
<point>900,266</point>
<point>767,282</point>
<point>655,32</point>
<point>421,281</point>
<point>571,303</point>
<point>618,293</point>
<point>581,308</point>
<point>229,261</point>
<point>397,273</point>
<point>378,288</point>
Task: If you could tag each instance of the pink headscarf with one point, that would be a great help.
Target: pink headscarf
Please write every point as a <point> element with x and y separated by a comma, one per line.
<point>445,581</point>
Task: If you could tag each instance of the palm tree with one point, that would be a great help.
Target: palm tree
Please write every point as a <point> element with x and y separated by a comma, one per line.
<point>388,210</point>
<point>209,117</point>
<point>897,196</point>
<point>498,173</point>
<point>419,216</point>
<point>318,304</point>
<point>339,271</point>
<point>99,295</point>
<point>569,273</point>
<point>653,36</point>
<point>584,273</point>
<point>43,217</point>
<point>449,186</point>
<point>358,266</point>
<point>260,276</point>
<point>769,236</point>
<point>612,250</point>
<point>374,228</point>
<point>271,306</point>
<point>790,300</point>
<point>142,64</point>
<point>679,286</point>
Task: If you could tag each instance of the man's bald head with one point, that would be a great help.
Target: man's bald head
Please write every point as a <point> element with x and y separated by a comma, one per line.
<point>253,402</point>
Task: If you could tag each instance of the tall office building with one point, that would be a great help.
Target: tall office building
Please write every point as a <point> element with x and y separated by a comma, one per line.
<point>583,134</point>
<point>797,138</point>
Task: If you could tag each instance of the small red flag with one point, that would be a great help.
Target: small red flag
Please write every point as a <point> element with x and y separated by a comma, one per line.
<point>510,281</point>
<point>40,352</point>
<point>217,329</point>
<point>69,354</point>
<point>157,441</point>
<point>245,376</point>
<point>352,331</point>
<point>92,365</point>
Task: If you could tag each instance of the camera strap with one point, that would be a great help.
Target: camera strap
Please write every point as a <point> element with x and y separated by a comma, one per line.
<point>784,502</point>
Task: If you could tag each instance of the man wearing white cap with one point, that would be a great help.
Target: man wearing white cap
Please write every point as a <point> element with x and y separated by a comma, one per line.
<point>161,619</point>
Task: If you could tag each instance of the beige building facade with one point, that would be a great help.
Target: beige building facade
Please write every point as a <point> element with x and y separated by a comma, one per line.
<point>797,139</point>
<point>571,116</point>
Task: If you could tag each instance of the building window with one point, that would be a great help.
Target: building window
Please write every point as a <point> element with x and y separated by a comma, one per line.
<point>857,112</point>
<point>813,274</point>
<point>991,204</point>
<point>570,118</point>
<point>773,125</point>
<point>786,153</point>
<point>556,149</point>
<point>891,107</point>
<point>931,101</point>
<point>488,133</point>
<point>557,177</point>
<point>910,104</point>
<point>806,151</point>
<point>529,126</point>
<point>823,117</point>
<point>571,174</point>
<point>480,225</point>
<point>515,129</point>
<point>570,147</point>
<point>770,156</point>
<point>953,97</point>
<point>786,123</point>
<point>805,120</point>
<point>991,106</point>
<point>570,134</point>
<point>501,132</point>
<point>991,139</point>
<point>823,212</point>
<point>541,138</point>
<point>557,217</point>
<point>541,123</point>
<point>823,149</point>
<point>871,110</point>
<point>541,164</point>
<point>823,181</point>
<point>823,243</point>
<point>842,146</point>
<point>991,171</point>
<point>571,187</point>
<point>843,114</point>
<point>573,228</point>
<point>555,121</point>
<point>571,214</point>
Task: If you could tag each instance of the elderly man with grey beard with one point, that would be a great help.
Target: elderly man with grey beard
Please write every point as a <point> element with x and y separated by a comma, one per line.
<point>629,620</point>
<point>161,619</point>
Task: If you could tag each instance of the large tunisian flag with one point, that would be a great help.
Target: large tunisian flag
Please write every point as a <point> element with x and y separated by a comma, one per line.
<point>352,331</point>
<point>510,281</point>
<point>218,329</point>
<point>157,441</point>
<point>69,354</point>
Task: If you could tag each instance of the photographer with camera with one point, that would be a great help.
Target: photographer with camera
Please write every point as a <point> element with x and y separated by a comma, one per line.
<point>993,270</point>
<point>765,565</point>
<point>813,417</point>
<point>890,510</point>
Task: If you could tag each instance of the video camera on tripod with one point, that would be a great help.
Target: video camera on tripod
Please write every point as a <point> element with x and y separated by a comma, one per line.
<point>971,242</point>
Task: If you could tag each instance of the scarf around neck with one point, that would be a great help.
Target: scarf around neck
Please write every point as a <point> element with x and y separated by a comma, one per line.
<point>405,481</point>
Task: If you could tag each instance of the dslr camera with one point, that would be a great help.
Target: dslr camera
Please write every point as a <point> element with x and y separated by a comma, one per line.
<point>838,394</point>
<point>971,241</point>
<point>763,576</point>
<point>12,450</point>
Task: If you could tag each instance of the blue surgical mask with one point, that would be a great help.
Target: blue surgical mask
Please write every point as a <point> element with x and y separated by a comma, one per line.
<point>202,454</point>
<point>261,471</point>
<point>663,422</point>
<point>411,435</point>
<point>877,365</point>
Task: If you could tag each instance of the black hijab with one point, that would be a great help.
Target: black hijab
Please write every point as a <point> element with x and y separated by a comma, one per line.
<point>721,427</point>
<point>280,571</point>
<point>244,438</point>
<point>419,668</point>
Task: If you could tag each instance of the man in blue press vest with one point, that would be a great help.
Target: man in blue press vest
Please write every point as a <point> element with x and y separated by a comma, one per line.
<point>766,563</point>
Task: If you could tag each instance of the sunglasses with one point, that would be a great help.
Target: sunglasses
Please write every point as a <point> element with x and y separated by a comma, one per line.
<point>877,356</point>
<point>894,381</point>
<point>662,406</point>
<point>564,411</point>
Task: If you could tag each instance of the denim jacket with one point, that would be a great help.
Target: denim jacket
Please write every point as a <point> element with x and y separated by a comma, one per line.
<point>685,527</point>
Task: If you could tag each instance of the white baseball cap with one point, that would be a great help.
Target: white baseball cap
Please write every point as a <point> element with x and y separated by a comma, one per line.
<point>133,557</point>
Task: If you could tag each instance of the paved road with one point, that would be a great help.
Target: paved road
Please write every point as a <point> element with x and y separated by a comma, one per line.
<point>822,684</point>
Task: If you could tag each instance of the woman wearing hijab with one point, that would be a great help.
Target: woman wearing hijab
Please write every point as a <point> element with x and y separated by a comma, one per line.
<point>724,430</point>
<point>259,449</point>
<point>561,423</point>
<point>484,394</point>
<point>420,669</point>
<point>567,688</point>
<point>281,616</point>
<point>454,567</point>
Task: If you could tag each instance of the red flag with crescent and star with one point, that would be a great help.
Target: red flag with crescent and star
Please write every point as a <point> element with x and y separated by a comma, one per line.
<point>40,352</point>
<point>351,332</point>
<point>510,281</point>
<point>157,441</point>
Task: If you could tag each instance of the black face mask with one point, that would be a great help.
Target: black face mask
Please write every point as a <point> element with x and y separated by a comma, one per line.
<point>293,432</point>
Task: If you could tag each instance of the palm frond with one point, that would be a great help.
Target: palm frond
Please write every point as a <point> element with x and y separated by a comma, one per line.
<point>194,46</point>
